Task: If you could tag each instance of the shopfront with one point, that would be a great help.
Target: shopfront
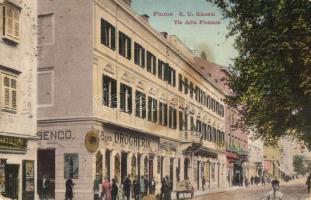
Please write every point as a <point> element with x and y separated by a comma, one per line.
<point>17,167</point>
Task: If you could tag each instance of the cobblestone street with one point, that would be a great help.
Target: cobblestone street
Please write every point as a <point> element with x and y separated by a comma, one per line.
<point>294,191</point>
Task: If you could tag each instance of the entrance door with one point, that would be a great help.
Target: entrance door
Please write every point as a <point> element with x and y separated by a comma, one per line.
<point>46,171</point>
<point>123,165</point>
<point>11,180</point>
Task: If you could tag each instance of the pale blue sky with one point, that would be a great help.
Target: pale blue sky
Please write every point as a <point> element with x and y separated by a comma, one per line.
<point>197,36</point>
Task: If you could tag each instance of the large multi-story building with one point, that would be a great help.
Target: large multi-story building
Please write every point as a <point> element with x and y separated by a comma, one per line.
<point>18,123</point>
<point>117,98</point>
<point>236,141</point>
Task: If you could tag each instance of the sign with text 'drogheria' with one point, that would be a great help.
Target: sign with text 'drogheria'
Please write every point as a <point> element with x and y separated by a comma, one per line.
<point>91,141</point>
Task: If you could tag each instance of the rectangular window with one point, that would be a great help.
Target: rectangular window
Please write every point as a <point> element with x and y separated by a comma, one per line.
<point>10,22</point>
<point>172,118</point>
<point>217,107</point>
<point>170,75</point>
<point>152,109</point>
<point>161,69</point>
<point>180,118</point>
<point>109,92</point>
<point>71,165</point>
<point>192,124</point>
<point>163,114</point>
<point>209,133</point>
<point>8,92</point>
<point>151,63</point>
<point>208,101</point>
<point>108,34</point>
<point>140,104</point>
<point>139,55</point>
<point>214,134</point>
<point>125,98</point>
<point>125,45</point>
<point>198,126</point>
<point>204,131</point>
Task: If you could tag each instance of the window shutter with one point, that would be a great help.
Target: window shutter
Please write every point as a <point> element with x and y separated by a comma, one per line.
<point>105,91</point>
<point>114,96</point>
<point>149,108</point>
<point>137,103</point>
<point>129,48</point>
<point>122,98</point>
<point>121,44</point>
<point>129,99</point>
<point>155,112</point>
<point>11,26</point>
<point>136,52</point>
<point>113,38</point>
<point>143,58</point>
<point>165,114</point>
<point>160,114</point>
<point>154,68</point>
<point>160,69</point>
<point>144,106</point>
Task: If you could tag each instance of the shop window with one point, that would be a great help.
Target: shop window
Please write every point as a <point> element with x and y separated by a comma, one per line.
<point>10,16</point>
<point>213,172</point>
<point>152,109</point>
<point>133,166</point>
<point>71,165</point>
<point>172,118</point>
<point>108,34</point>
<point>140,104</point>
<point>99,165</point>
<point>125,45</point>
<point>139,55</point>
<point>151,63</point>
<point>161,69</point>
<point>109,92</point>
<point>125,98</point>
<point>163,114</point>
<point>8,87</point>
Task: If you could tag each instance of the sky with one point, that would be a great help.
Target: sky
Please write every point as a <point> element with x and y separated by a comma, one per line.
<point>200,36</point>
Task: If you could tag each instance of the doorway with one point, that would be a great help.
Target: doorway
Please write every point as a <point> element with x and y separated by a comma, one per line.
<point>46,170</point>
<point>123,165</point>
<point>11,180</point>
<point>186,167</point>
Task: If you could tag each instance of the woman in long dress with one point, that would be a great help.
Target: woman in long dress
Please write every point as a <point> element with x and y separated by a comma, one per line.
<point>107,189</point>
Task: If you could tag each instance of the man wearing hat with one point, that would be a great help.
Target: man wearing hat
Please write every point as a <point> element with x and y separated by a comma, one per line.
<point>274,194</point>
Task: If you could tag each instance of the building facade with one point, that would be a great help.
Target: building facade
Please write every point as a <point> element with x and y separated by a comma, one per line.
<point>18,61</point>
<point>236,142</point>
<point>117,98</point>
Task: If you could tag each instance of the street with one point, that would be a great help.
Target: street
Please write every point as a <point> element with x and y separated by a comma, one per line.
<point>291,192</point>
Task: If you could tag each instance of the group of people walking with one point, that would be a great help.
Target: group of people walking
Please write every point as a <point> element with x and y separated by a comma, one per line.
<point>138,188</point>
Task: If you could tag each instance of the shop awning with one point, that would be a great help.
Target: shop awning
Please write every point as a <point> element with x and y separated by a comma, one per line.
<point>280,167</point>
<point>206,152</point>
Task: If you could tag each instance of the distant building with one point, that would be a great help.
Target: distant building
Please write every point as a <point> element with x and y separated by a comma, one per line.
<point>18,96</point>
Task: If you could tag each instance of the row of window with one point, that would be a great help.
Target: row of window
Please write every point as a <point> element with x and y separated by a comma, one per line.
<point>142,58</point>
<point>200,96</point>
<point>154,110</point>
<point>165,71</point>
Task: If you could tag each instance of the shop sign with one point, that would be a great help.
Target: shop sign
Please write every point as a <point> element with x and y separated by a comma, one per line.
<point>168,146</point>
<point>55,135</point>
<point>91,141</point>
<point>13,143</point>
<point>125,138</point>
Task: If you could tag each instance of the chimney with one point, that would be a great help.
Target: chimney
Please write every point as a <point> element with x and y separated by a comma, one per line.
<point>127,2</point>
<point>164,34</point>
<point>145,17</point>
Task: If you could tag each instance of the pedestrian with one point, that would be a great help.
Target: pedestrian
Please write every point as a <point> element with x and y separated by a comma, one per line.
<point>163,189</point>
<point>136,188</point>
<point>107,189</point>
<point>274,194</point>
<point>127,187</point>
<point>168,189</point>
<point>203,182</point>
<point>96,186</point>
<point>69,189</point>
<point>142,187</point>
<point>308,183</point>
<point>263,181</point>
<point>45,187</point>
<point>146,185</point>
<point>252,180</point>
<point>114,190</point>
<point>246,182</point>
<point>152,186</point>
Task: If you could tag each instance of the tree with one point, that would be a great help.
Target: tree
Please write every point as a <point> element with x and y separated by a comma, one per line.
<point>298,163</point>
<point>271,76</point>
